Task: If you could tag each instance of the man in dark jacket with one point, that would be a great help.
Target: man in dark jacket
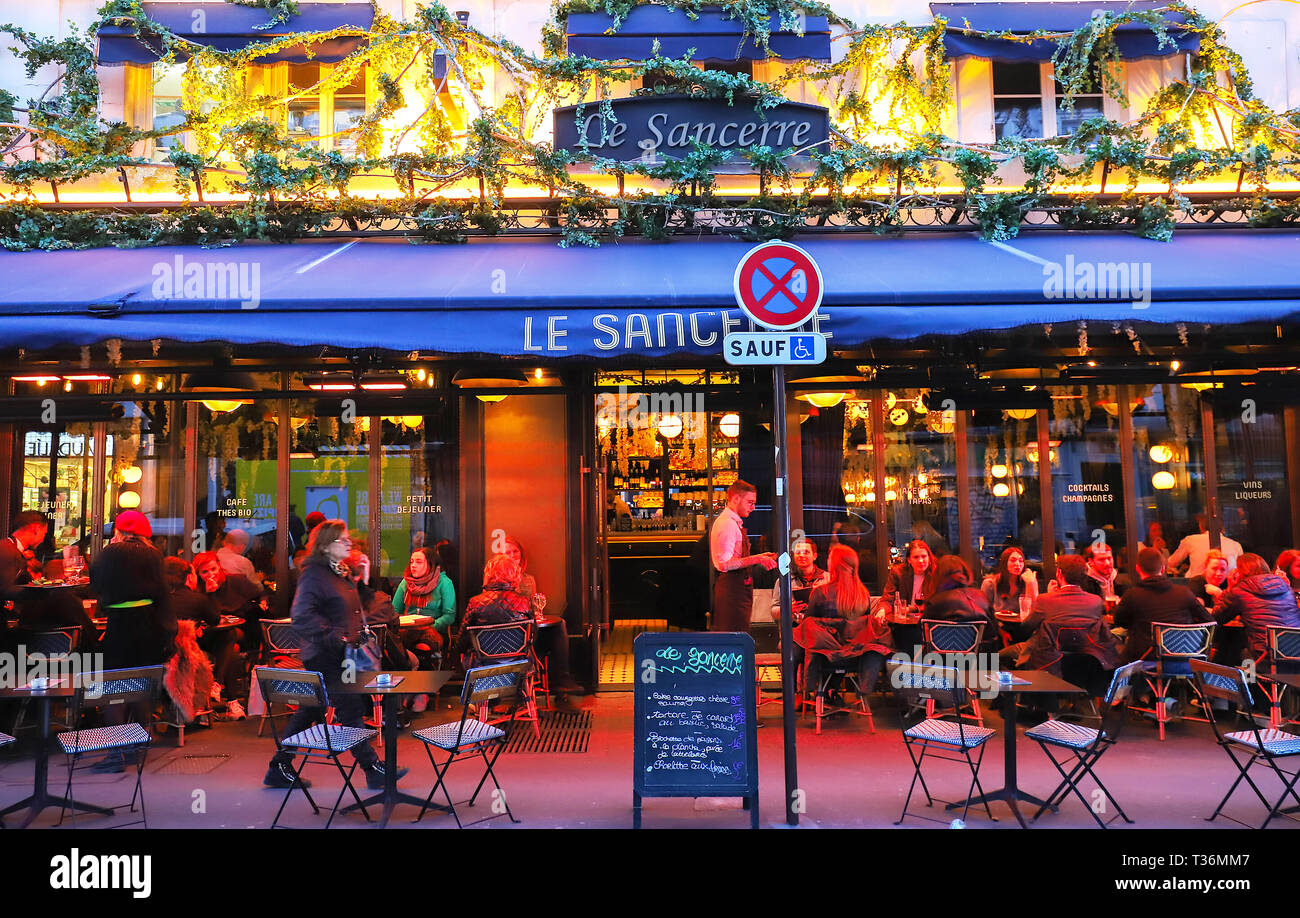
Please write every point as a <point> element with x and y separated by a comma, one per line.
<point>1259,598</point>
<point>1103,579</point>
<point>1069,606</point>
<point>1154,599</point>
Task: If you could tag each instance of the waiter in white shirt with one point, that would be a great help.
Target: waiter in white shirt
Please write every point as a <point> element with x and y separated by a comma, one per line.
<point>1194,549</point>
<point>733,587</point>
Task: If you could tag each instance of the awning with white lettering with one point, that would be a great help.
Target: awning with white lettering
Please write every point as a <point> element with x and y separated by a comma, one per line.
<point>633,298</point>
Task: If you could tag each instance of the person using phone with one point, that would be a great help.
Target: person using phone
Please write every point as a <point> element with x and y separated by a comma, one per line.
<point>733,587</point>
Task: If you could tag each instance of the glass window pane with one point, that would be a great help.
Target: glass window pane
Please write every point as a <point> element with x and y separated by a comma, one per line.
<point>1085,107</point>
<point>920,474</point>
<point>1017,118</point>
<point>304,120</point>
<point>1169,465</point>
<point>419,479</point>
<point>146,469</point>
<point>329,466</point>
<point>1006,503</point>
<point>1017,78</point>
<point>1087,481</point>
<point>1250,460</point>
<point>842,508</point>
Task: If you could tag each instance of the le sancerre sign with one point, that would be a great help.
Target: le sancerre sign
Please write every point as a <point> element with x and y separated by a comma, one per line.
<point>652,127</point>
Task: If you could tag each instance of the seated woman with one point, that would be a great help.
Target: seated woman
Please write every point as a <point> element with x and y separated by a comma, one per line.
<point>232,594</point>
<point>1259,598</point>
<point>1208,586</point>
<point>955,600</point>
<point>838,626</point>
<point>1011,581</point>
<point>426,590</point>
<point>912,584</point>
<point>551,642</point>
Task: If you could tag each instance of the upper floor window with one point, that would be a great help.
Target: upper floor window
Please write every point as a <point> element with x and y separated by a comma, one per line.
<point>168,110</point>
<point>1029,102</point>
<point>319,116</point>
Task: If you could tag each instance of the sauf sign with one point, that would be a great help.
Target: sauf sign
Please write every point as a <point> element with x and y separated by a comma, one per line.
<point>648,127</point>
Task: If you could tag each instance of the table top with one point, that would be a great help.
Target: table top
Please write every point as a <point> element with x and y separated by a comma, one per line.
<point>55,585</point>
<point>227,621</point>
<point>1288,679</point>
<point>414,682</point>
<point>1009,616</point>
<point>57,691</point>
<point>547,621</point>
<point>414,621</point>
<point>1040,682</point>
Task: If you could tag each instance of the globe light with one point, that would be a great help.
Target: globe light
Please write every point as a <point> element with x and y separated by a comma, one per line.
<point>998,471</point>
<point>729,425</point>
<point>1163,481</point>
<point>1021,414</point>
<point>1161,452</point>
<point>128,500</point>
<point>220,406</point>
<point>669,426</point>
<point>132,474</point>
<point>1000,489</point>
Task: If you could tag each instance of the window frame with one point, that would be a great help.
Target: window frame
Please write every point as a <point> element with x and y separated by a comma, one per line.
<point>1048,98</point>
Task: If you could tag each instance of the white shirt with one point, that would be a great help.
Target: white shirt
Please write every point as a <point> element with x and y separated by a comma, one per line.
<point>725,539</point>
<point>232,562</point>
<point>1197,547</point>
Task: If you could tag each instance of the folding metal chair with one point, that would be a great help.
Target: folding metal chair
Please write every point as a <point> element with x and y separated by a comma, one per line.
<point>52,645</point>
<point>317,744</point>
<point>1283,648</point>
<point>1265,746</point>
<point>1073,663</point>
<point>469,736</point>
<point>127,687</point>
<point>278,640</point>
<point>1175,647</point>
<point>953,638</point>
<point>939,691</point>
<point>1087,744</point>
<point>508,642</point>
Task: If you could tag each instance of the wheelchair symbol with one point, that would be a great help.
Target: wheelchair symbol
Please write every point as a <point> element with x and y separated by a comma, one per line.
<point>801,349</point>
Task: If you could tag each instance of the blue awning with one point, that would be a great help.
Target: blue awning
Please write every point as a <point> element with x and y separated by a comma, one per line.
<point>712,36</point>
<point>1135,40</point>
<point>228,27</point>
<point>633,298</point>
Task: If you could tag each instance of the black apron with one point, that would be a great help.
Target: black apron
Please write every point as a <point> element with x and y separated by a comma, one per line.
<point>733,594</point>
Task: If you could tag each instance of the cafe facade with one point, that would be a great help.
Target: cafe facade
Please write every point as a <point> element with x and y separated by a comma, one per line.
<point>1062,385</point>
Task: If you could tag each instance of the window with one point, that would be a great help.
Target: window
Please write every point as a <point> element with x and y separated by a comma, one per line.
<point>167,107</point>
<point>1029,102</point>
<point>336,109</point>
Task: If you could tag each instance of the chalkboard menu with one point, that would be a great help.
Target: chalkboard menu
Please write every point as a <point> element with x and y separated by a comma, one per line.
<point>694,718</point>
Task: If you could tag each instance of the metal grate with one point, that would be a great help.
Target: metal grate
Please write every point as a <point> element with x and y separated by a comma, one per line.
<point>558,731</point>
<point>190,764</point>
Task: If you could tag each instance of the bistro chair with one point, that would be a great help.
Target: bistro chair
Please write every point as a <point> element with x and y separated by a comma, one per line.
<point>508,642</point>
<point>127,687</point>
<point>939,691</point>
<point>469,736</point>
<point>1264,747</point>
<point>53,646</point>
<point>1087,744</point>
<point>1175,648</point>
<point>283,649</point>
<point>1075,665</point>
<point>953,638</point>
<point>836,667</point>
<point>1284,649</point>
<point>317,744</point>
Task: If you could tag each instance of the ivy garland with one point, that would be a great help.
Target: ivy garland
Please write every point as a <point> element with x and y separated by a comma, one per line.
<point>876,88</point>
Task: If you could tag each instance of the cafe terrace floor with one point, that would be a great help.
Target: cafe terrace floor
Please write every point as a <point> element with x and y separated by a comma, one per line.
<point>852,779</point>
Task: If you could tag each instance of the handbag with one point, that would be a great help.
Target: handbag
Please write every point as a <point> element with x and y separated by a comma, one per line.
<point>363,653</point>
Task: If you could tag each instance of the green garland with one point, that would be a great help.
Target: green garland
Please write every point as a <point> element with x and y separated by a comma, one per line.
<point>294,189</point>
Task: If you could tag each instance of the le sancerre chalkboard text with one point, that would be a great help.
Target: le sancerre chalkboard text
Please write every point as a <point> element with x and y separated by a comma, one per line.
<point>693,731</point>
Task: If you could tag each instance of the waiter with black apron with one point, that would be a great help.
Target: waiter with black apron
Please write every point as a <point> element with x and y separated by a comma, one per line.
<point>733,585</point>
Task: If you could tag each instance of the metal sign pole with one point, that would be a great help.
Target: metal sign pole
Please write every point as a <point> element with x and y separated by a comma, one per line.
<point>781,507</point>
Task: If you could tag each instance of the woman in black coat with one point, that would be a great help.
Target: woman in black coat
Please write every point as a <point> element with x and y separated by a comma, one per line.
<point>127,576</point>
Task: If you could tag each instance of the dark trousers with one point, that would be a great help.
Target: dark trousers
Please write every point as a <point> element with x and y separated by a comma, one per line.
<point>733,601</point>
<point>552,644</point>
<point>349,710</point>
<point>868,668</point>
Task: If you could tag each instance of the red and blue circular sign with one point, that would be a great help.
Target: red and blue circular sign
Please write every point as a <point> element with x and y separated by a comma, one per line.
<point>778,285</point>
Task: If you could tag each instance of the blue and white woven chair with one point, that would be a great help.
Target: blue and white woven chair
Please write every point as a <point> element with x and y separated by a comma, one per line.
<point>1175,647</point>
<point>279,640</point>
<point>317,744</point>
<point>1283,654</point>
<point>130,688</point>
<point>1258,746</point>
<point>53,645</point>
<point>509,642</point>
<point>954,638</point>
<point>470,736</point>
<point>940,691</point>
<point>1087,744</point>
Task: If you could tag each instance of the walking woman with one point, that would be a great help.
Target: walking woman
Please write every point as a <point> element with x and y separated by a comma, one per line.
<point>326,615</point>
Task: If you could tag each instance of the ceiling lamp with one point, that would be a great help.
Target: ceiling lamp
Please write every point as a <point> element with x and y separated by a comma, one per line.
<point>890,401</point>
<point>669,426</point>
<point>899,416</point>
<point>1021,414</point>
<point>1000,489</point>
<point>890,495</point>
<point>220,382</point>
<point>132,474</point>
<point>412,421</point>
<point>998,471</point>
<point>1163,480</point>
<point>489,379</point>
<point>729,425</point>
<point>919,404</point>
<point>1161,452</point>
<point>870,498</point>
<point>128,500</point>
<point>822,399</point>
